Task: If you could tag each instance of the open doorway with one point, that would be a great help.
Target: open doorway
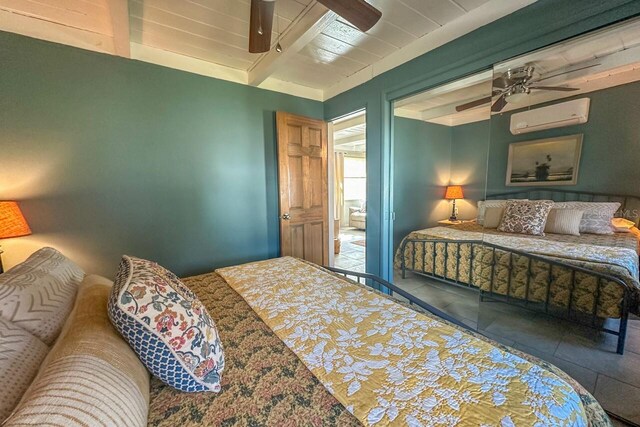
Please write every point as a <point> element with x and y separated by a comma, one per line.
<point>350,191</point>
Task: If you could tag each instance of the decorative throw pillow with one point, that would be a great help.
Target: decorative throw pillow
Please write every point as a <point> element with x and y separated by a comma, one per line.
<point>564,221</point>
<point>597,215</point>
<point>525,217</point>
<point>493,216</point>
<point>39,293</point>
<point>484,204</point>
<point>166,325</point>
<point>20,357</point>
<point>622,225</point>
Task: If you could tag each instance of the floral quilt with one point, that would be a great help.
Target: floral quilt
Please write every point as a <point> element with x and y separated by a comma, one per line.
<point>388,364</point>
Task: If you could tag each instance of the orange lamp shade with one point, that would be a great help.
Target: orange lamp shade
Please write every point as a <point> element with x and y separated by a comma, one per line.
<point>12,222</point>
<point>454,192</point>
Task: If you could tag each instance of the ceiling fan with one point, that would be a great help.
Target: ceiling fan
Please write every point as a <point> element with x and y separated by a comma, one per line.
<point>513,85</point>
<point>358,12</point>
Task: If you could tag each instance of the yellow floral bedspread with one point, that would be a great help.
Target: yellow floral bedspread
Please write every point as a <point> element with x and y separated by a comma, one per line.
<point>390,365</point>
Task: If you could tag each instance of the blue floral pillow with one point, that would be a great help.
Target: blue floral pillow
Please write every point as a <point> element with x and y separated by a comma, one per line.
<point>166,325</point>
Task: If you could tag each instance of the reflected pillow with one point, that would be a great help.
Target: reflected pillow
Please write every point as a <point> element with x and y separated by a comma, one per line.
<point>622,225</point>
<point>564,221</point>
<point>484,204</point>
<point>493,216</point>
<point>597,215</point>
<point>526,217</point>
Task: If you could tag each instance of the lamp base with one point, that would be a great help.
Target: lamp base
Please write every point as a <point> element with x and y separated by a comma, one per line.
<point>453,218</point>
<point>1,268</point>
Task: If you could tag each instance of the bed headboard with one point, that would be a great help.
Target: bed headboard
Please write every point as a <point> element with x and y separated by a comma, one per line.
<point>629,204</point>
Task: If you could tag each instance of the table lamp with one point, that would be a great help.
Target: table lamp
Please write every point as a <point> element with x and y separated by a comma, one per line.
<point>12,223</point>
<point>453,192</point>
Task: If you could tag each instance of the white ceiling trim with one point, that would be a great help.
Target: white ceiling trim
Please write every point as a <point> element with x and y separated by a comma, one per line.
<point>34,26</point>
<point>119,11</point>
<point>476,18</point>
<point>311,22</point>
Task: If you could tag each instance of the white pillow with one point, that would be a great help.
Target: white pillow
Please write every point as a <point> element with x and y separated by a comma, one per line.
<point>597,215</point>
<point>493,216</point>
<point>564,221</point>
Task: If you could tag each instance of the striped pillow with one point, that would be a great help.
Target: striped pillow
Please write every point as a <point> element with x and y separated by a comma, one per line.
<point>564,221</point>
<point>20,357</point>
<point>91,377</point>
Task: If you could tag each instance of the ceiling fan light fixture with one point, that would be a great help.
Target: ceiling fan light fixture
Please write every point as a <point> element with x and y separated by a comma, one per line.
<point>279,48</point>
<point>517,95</point>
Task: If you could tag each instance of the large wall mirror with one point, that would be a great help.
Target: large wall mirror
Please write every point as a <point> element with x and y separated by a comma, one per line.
<point>541,156</point>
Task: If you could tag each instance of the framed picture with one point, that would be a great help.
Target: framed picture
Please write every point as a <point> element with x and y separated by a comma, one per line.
<point>551,161</point>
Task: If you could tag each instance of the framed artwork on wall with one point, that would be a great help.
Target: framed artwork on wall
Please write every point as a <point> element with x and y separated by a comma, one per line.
<point>550,161</point>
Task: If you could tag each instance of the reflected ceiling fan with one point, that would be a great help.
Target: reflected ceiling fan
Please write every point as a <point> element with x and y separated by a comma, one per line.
<point>513,85</point>
<point>358,12</point>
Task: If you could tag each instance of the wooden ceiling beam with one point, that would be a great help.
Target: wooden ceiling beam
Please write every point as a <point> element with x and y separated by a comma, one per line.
<point>119,11</point>
<point>305,28</point>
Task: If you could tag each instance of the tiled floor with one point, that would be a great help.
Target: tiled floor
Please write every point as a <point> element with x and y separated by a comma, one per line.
<point>351,257</point>
<point>586,355</point>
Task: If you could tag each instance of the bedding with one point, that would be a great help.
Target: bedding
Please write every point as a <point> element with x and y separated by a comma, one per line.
<point>564,221</point>
<point>526,217</point>
<point>266,384</point>
<point>597,215</point>
<point>511,273</point>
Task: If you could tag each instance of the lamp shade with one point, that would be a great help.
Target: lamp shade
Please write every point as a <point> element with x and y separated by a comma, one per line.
<point>12,222</point>
<point>454,192</point>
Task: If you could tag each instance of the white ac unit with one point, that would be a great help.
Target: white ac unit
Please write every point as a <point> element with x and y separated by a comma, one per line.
<point>554,116</point>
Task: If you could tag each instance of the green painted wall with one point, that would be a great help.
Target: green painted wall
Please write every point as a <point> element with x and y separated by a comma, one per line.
<point>469,150</point>
<point>610,148</point>
<point>543,23</point>
<point>114,156</point>
<point>421,163</point>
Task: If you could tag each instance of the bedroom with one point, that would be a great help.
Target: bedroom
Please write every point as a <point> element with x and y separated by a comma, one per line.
<point>110,156</point>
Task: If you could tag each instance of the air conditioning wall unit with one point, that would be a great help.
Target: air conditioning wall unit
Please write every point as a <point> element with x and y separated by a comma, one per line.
<point>554,116</point>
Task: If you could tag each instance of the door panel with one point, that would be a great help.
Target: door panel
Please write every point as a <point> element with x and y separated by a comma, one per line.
<point>302,176</point>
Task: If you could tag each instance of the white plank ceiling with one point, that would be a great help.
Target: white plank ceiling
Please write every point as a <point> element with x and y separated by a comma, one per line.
<point>323,54</point>
<point>612,56</point>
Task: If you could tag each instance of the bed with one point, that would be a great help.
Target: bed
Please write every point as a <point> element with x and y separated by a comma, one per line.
<point>266,382</point>
<point>303,346</point>
<point>585,278</point>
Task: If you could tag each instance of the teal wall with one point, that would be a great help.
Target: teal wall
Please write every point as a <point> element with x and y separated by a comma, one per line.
<point>469,155</point>
<point>538,25</point>
<point>113,156</point>
<point>421,163</point>
<point>610,148</point>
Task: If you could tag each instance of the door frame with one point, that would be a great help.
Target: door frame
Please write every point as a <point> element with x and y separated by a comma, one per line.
<point>331,179</point>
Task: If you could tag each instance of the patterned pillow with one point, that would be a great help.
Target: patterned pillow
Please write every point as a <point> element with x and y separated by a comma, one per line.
<point>20,357</point>
<point>167,326</point>
<point>527,217</point>
<point>484,204</point>
<point>597,215</point>
<point>39,293</point>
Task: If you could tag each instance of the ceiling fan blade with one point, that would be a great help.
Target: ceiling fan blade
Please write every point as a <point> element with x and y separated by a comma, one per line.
<point>573,70</point>
<point>260,26</point>
<point>473,104</point>
<point>556,88</point>
<point>357,12</point>
<point>499,104</point>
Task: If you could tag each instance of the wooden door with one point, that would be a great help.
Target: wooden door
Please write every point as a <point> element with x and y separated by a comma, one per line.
<point>304,198</point>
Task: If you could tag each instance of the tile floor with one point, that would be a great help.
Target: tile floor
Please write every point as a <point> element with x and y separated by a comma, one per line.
<point>351,257</point>
<point>586,355</point>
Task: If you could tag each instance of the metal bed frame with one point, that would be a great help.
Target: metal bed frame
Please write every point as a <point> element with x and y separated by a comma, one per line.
<point>587,319</point>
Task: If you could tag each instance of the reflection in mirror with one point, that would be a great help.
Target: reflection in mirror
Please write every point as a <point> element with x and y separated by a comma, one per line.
<point>439,175</point>
<point>560,277</point>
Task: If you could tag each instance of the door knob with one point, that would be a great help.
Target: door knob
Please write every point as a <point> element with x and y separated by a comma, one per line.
<point>286,216</point>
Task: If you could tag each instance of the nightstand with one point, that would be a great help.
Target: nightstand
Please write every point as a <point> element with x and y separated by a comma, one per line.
<point>449,222</point>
